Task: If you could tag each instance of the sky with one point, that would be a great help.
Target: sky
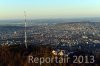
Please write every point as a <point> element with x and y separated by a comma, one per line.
<point>14,9</point>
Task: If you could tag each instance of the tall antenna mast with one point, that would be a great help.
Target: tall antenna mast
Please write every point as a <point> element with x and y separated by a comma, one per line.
<point>25,30</point>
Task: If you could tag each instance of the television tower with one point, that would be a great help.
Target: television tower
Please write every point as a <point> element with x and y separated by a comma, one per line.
<point>25,30</point>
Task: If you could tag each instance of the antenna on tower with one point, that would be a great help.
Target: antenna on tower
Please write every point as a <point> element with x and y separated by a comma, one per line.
<point>25,30</point>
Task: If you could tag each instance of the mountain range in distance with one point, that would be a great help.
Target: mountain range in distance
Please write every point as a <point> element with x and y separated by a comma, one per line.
<point>47,21</point>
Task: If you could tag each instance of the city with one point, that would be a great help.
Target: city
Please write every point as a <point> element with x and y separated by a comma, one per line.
<point>70,38</point>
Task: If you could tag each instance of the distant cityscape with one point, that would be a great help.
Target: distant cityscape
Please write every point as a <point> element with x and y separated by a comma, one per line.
<point>66,34</point>
<point>63,38</point>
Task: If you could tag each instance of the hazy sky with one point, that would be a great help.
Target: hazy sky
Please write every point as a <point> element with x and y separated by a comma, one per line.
<point>12,9</point>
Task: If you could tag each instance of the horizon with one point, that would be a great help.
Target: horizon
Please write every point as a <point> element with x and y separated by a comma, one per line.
<point>48,21</point>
